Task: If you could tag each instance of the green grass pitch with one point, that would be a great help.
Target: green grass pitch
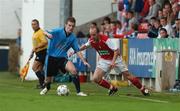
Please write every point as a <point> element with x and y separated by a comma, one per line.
<point>22,96</point>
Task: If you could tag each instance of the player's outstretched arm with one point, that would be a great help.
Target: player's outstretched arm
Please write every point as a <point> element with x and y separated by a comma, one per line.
<point>83,59</point>
<point>83,47</point>
<point>48,35</point>
<point>116,54</point>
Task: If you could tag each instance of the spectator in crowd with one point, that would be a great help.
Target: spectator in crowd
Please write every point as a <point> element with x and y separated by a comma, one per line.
<point>175,10</point>
<point>166,25</point>
<point>165,14</point>
<point>163,33</point>
<point>154,30</point>
<point>112,29</point>
<point>107,26</point>
<point>94,24</point>
<point>152,20</point>
<point>154,7</point>
<point>131,20</point>
<point>169,13</point>
<point>176,28</point>
<point>106,21</point>
<point>168,6</point>
<point>119,28</point>
<point>160,13</point>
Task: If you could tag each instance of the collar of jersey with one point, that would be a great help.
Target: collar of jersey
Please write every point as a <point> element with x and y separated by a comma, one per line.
<point>66,33</point>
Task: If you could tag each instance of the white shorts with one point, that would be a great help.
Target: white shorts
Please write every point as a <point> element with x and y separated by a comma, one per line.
<point>105,65</point>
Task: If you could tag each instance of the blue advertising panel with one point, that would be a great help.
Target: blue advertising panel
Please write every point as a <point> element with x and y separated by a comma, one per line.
<point>140,57</point>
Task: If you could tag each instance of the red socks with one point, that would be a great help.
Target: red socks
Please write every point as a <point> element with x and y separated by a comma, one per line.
<point>104,84</point>
<point>135,81</point>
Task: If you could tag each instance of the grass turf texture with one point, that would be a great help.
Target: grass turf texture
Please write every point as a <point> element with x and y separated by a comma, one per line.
<point>18,96</point>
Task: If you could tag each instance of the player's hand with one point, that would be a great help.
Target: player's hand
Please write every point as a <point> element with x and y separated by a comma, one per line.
<point>34,49</point>
<point>48,35</point>
<point>113,65</point>
<point>87,64</point>
<point>31,55</point>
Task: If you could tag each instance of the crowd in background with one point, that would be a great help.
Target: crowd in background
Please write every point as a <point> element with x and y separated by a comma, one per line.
<point>144,19</point>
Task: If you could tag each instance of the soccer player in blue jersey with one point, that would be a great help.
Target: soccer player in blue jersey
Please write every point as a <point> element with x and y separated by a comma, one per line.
<point>61,40</point>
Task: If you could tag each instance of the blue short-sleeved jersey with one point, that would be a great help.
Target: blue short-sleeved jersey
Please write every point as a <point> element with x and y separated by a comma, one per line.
<point>60,43</point>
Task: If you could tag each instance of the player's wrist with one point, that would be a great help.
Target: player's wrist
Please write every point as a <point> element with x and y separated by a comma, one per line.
<point>84,61</point>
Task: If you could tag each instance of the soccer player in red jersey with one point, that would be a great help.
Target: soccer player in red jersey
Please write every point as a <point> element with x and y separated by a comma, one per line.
<point>109,59</point>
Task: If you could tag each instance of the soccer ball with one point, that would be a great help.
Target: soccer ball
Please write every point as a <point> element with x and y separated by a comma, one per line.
<point>62,90</point>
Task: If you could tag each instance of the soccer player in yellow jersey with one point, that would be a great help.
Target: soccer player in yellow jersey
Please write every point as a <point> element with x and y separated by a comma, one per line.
<point>39,48</point>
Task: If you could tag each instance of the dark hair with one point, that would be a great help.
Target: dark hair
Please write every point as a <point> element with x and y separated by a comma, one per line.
<point>71,19</point>
<point>165,18</point>
<point>94,23</point>
<point>35,20</point>
<point>163,29</point>
<point>167,3</point>
<point>80,34</point>
<point>154,18</point>
<point>113,22</point>
<point>131,12</point>
<point>177,19</point>
<point>157,20</point>
<point>102,24</point>
<point>107,19</point>
<point>118,22</point>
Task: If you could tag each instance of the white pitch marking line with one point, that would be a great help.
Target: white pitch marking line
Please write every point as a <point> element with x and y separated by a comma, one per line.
<point>147,99</point>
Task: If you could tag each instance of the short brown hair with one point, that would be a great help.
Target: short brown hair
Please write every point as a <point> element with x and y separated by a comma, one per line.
<point>71,19</point>
<point>35,20</point>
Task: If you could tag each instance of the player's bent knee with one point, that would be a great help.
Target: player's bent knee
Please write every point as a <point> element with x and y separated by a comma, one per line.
<point>73,72</point>
<point>34,69</point>
<point>126,73</point>
<point>95,79</point>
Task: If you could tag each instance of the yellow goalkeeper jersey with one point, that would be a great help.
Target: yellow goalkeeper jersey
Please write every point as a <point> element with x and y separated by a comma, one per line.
<point>38,38</point>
